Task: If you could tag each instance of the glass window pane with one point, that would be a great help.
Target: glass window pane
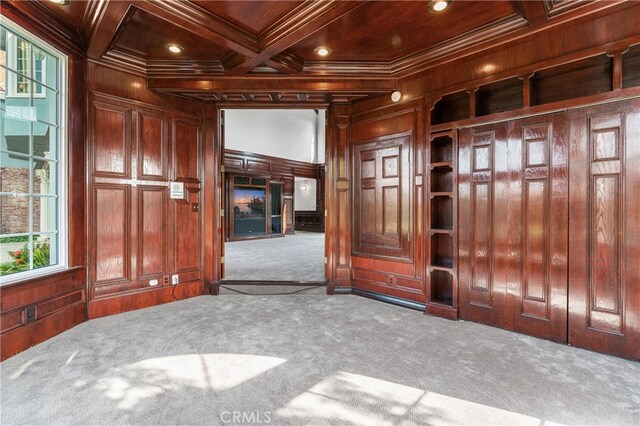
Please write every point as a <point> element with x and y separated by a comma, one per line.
<point>14,214</point>
<point>15,174</point>
<point>44,69</point>
<point>45,217</point>
<point>248,211</point>
<point>17,106</point>
<point>45,177</point>
<point>14,255</point>
<point>45,106</point>
<point>14,132</point>
<point>45,141</point>
<point>44,250</point>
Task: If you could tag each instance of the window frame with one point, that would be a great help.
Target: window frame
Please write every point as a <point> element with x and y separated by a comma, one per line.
<point>62,104</point>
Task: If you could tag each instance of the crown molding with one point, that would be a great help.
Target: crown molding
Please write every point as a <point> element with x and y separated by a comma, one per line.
<point>46,24</point>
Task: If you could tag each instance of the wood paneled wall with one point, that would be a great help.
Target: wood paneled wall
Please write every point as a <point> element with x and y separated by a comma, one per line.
<point>386,170</point>
<point>604,229</point>
<point>513,218</point>
<point>138,237</point>
<point>58,300</point>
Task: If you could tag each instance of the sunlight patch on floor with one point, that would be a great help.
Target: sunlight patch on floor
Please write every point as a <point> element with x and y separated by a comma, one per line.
<point>354,399</point>
<point>135,382</point>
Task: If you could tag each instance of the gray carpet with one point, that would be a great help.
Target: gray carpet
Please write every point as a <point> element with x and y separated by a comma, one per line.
<point>298,257</point>
<point>293,360</point>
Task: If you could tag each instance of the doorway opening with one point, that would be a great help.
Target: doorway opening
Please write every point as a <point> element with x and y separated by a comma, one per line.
<point>274,193</point>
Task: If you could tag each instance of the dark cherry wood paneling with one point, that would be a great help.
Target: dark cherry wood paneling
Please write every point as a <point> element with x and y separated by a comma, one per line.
<point>111,140</point>
<point>264,165</point>
<point>139,237</point>
<point>152,231</point>
<point>138,300</point>
<point>187,235</point>
<point>397,262</point>
<point>481,292</point>
<point>538,218</point>
<point>186,151</point>
<point>59,304</point>
<point>513,217</point>
<point>152,149</point>
<point>111,233</point>
<point>604,229</point>
<point>382,196</point>
<point>146,35</point>
<point>356,41</point>
<point>253,16</point>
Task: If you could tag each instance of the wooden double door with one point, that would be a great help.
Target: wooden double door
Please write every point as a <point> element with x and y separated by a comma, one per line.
<point>549,219</point>
<point>513,209</point>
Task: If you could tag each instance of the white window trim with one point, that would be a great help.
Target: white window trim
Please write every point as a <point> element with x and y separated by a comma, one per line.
<point>62,104</point>
<point>12,65</point>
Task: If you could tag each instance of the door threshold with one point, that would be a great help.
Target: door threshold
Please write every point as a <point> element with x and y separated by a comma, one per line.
<point>266,282</point>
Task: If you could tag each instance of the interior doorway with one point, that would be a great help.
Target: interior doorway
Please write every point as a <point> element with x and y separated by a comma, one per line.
<point>274,181</point>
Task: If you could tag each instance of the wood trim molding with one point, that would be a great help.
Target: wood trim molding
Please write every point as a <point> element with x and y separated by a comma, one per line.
<point>236,162</point>
<point>35,17</point>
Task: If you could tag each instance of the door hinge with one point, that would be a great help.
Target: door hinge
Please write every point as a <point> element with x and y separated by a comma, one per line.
<point>222,260</point>
<point>221,212</point>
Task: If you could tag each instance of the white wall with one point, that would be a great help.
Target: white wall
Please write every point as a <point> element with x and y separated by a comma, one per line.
<point>304,200</point>
<point>292,133</point>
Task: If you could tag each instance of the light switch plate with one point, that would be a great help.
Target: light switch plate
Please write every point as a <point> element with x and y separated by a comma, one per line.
<point>177,191</point>
<point>153,283</point>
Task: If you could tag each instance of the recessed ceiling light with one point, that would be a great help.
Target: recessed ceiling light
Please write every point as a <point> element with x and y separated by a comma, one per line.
<point>438,5</point>
<point>62,2</point>
<point>322,51</point>
<point>174,48</point>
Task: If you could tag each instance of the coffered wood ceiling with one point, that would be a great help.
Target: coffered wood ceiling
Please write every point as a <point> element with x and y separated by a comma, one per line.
<point>267,47</point>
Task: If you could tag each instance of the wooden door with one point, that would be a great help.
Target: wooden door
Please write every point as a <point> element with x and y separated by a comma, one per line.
<point>537,226</point>
<point>482,206</point>
<point>604,229</point>
<point>513,200</point>
<point>382,197</point>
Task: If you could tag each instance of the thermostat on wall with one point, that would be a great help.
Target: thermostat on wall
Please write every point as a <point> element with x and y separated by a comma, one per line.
<point>177,190</point>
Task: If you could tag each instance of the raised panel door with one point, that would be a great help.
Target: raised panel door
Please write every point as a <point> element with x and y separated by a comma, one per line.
<point>604,229</point>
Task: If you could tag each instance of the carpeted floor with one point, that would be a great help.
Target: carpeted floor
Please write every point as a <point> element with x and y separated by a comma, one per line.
<point>291,360</point>
<point>298,257</point>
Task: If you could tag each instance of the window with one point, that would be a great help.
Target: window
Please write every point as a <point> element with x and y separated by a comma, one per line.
<point>32,155</point>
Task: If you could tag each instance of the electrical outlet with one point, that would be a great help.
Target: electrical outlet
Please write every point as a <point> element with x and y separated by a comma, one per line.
<point>165,280</point>
<point>153,283</point>
<point>175,279</point>
<point>30,313</point>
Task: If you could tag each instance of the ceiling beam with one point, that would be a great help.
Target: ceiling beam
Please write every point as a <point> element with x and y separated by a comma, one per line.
<point>533,11</point>
<point>270,84</point>
<point>303,21</point>
<point>106,26</point>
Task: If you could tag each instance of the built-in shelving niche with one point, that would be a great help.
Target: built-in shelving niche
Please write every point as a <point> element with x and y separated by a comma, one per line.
<point>505,95</point>
<point>451,107</point>
<point>631,67</point>
<point>442,287</point>
<point>585,77</point>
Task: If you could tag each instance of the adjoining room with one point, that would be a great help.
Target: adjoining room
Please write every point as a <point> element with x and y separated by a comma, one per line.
<point>274,191</point>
